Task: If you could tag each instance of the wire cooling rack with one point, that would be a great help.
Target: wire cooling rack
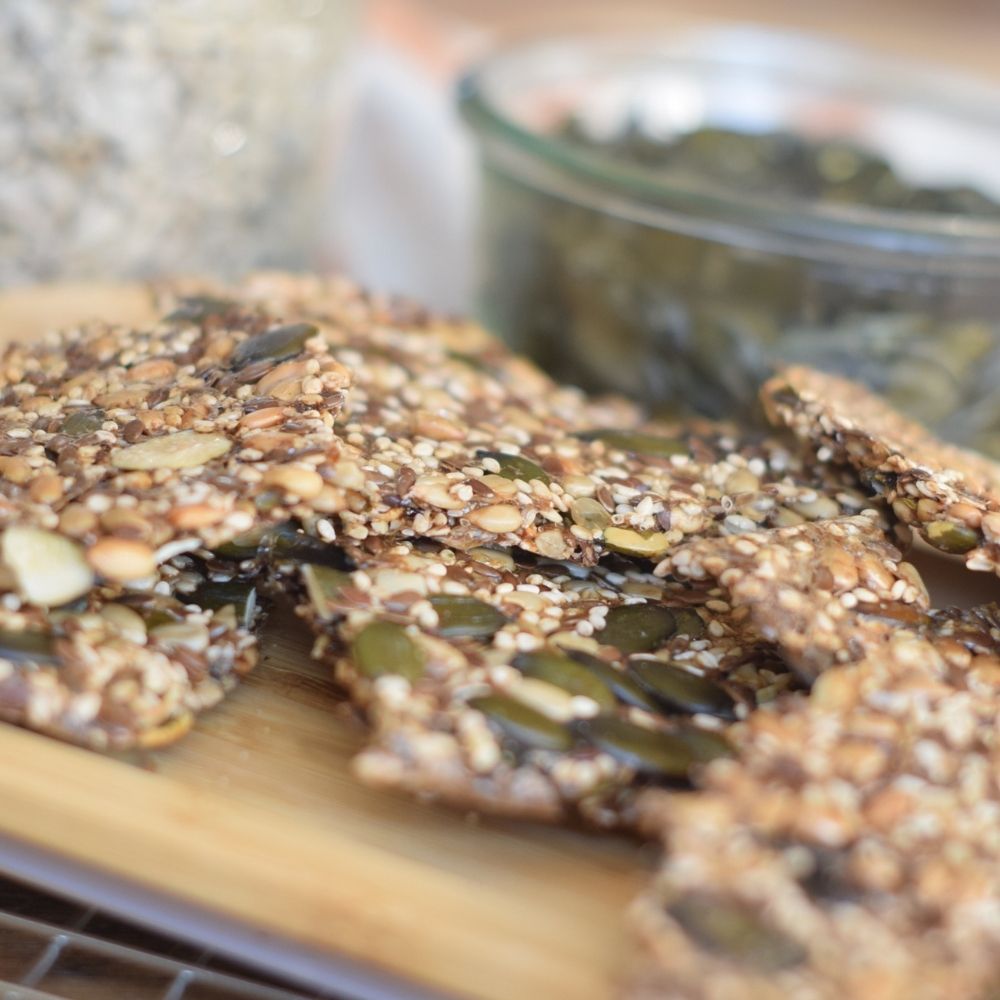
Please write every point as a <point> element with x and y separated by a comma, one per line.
<point>55,949</point>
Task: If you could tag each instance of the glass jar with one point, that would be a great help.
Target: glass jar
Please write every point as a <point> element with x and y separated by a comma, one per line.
<point>683,292</point>
<point>144,137</point>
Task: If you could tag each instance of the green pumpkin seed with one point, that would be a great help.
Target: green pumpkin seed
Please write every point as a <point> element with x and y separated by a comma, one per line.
<point>644,750</point>
<point>624,688</point>
<point>642,544</point>
<point>704,744</point>
<point>323,585</point>
<point>522,724</point>
<point>638,443</point>
<point>688,622</point>
<point>86,420</point>
<point>566,674</point>
<point>732,928</point>
<point>18,647</point>
<point>949,537</point>
<point>499,559</point>
<point>463,616</point>
<point>217,594</point>
<point>516,466</point>
<point>286,544</point>
<point>245,546</point>
<point>589,513</point>
<point>385,648</point>
<point>678,690</point>
<point>275,345</point>
<point>637,628</point>
<point>198,308</point>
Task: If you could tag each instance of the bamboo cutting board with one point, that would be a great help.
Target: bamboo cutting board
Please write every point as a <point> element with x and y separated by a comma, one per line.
<point>255,819</point>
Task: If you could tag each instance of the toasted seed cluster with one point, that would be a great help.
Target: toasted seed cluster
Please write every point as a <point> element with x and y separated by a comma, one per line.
<point>851,846</point>
<point>949,495</point>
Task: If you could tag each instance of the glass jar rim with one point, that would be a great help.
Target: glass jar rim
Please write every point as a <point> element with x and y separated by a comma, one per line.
<point>951,243</point>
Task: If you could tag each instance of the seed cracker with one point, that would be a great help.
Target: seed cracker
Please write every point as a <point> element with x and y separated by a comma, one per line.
<point>458,439</point>
<point>852,848</point>
<point>447,628</point>
<point>121,448</point>
<point>126,670</point>
<point>824,593</point>
<point>951,496</point>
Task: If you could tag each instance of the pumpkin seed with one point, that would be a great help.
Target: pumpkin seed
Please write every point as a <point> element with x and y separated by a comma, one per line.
<point>678,690</point>
<point>198,308</point>
<point>277,344</point>
<point>637,628</point>
<point>286,544</point>
<point>462,616</point>
<point>245,546</point>
<point>624,688</point>
<point>589,513</point>
<point>566,674</point>
<point>643,544</point>
<point>86,420</point>
<point>646,751</point>
<point>704,744</point>
<point>522,724</point>
<point>949,537</point>
<point>497,558</point>
<point>216,594</point>
<point>516,466</point>
<point>18,647</point>
<point>323,585</point>
<point>638,443</point>
<point>49,569</point>
<point>688,622</point>
<point>183,450</point>
<point>385,648</point>
<point>734,929</point>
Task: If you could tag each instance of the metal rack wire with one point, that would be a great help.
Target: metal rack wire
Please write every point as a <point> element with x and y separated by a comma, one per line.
<point>55,949</point>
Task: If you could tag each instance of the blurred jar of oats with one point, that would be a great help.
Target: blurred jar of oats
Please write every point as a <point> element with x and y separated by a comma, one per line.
<point>145,137</point>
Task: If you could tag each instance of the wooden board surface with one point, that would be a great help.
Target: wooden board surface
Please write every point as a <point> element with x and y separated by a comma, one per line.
<point>255,816</point>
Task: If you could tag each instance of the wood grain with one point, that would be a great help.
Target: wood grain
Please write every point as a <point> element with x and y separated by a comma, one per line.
<point>256,816</point>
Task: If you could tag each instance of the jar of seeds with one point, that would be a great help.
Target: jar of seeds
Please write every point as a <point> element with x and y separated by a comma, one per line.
<point>670,221</point>
<point>144,137</point>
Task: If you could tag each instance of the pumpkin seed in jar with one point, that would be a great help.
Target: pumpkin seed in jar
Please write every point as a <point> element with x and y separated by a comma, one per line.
<point>86,420</point>
<point>566,674</point>
<point>19,647</point>
<point>383,648</point>
<point>462,616</point>
<point>950,537</point>
<point>623,687</point>
<point>646,751</point>
<point>642,544</point>
<point>516,466</point>
<point>277,344</point>
<point>678,690</point>
<point>198,308</point>
<point>652,445</point>
<point>637,628</point>
<point>734,930</point>
<point>525,726</point>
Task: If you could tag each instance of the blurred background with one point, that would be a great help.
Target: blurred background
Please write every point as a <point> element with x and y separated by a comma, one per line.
<point>554,199</point>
